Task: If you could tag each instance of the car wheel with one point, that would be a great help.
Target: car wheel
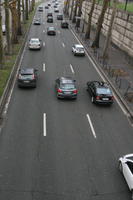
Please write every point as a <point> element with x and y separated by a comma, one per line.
<point>92,99</point>
<point>120,166</point>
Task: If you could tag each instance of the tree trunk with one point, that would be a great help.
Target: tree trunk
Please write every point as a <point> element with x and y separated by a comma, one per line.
<point>1,43</point>
<point>79,13</point>
<point>23,9</point>
<point>33,4</point>
<point>109,34</point>
<point>7,24</point>
<point>88,30</point>
<point>71,10</point>
<point>75,12</point>
<point>95,43</point>
<point>26,9</point>
<point>19,19</point>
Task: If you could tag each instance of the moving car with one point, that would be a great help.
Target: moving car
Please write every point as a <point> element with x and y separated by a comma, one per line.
<point>66,88</point>
<point>78,49</point>
<point>49,14</point>
<point>59,17</point>
<point>100,92</point>
<point>35,43</point>
<point>49,4</point>
<point>50,19</point>
<point>56,10</point>
<point>51,31</point>
<point>64,24</point>
<point>37,21</point>
<point>27,77</point>
<point>40,8</point>
<point>46,7</point>
<point>126,167</point>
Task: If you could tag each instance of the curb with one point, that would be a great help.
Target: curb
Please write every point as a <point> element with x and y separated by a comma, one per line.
<point>98,65</point>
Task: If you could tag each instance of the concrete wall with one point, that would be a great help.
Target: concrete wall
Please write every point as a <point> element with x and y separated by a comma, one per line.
<point>122,34</point>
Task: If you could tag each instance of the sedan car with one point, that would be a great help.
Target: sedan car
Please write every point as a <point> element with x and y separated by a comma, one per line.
<point>46,7</point>
<point>78,49</point>
<point>50,19</point>
<point>100,92</point>
<point>49,14</point>
<point>37,21</point>
<point>40,8</point>
<point>51,31</point>
<point>126,167</point>
<point>59,17</point>
<point>56,10</point>
<point>64,24</point>
<point>66,88</point>
<point>27,77</point>
<point>35,43</point>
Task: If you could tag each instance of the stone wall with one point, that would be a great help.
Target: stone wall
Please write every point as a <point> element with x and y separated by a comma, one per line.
<point>122,34</point>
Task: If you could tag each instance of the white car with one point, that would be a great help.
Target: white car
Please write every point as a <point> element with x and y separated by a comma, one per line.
<point>78,49</point>
<point>35,43</point>
<point>126,167</point>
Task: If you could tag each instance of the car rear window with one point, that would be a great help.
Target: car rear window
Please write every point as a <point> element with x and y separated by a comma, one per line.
<point>103,91</point>
<point>26,76</point>
<point>67,86</point>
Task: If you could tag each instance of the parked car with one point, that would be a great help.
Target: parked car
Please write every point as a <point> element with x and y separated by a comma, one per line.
<point>59,17</point>
<point>40,8</point>
<point>35,43</point>
<point>78,49</point>
<point>37,21</point>
<point>27,77</point>
<point>100,92</point>
<point>66,88</point>
<point>64,24</point>
<point>50,19</point>
<point>51,31</point>
<point>126,168</point>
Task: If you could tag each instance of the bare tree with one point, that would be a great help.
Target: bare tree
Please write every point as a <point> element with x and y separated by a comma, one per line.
<point>75,12</point>
<point>26,9</point>
<point>95,43</point>
<point>109,34</point>
<point>88,30</point>
<point>7,25</point>
<point>71,10</point>
<point>79,13</point>
<point>1,42</point>
<point>23,11</point>
<point>19,19</point>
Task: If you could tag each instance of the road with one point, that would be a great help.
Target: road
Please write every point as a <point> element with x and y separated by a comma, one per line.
<point>48,148</point>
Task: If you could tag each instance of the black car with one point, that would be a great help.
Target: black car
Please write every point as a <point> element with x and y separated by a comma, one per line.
<point>49,14</point>
<point>40,9</point>
<point>49,4</point>
<point>60,17</point>
<point>55,6</point>
<point>27,77</point>
<point>37,21</point>
<point>64,24</point>
<point>50,19</point>
<point>100,92</point>
<point>66,88</point>
<point>46,7</point>
<point>51,31</point>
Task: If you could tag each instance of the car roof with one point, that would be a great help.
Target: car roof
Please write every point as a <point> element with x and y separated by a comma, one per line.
<point>66,80</point>
<point>79,45</point>
<point>35,39</point>
<point>27,71</point>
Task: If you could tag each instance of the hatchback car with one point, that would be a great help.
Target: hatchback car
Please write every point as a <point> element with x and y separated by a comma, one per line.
<point>100,92</point>
<point>126,167</point>
<point>64,24</point>
<point>50,19</point>
<point>37,21</point>
<point>27,77</point>
<point>35,43</point>
<point>40,8</point>
<point>51,31</point>
<point>78,49</point>
<point>66,88</point>
<point>59,17</point>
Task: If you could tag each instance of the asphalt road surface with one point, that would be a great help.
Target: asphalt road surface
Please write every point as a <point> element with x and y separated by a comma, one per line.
<point>54,149</point>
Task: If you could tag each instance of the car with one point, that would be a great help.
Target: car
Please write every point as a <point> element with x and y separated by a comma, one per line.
<point>78,49</point>
<point>37,21</point>
<point>66,88</point>
<point>27,77</point>
<point>49,14</point>
<point>3,29</point>
<point>40,8</point>
<point>50,19</point>
<point>59,17</point>
<point>56,10</point>
<point>35,43</point>
<point>51,31</point>
<point>100,92</point>
<point>55,6</point>
<point>64,24</point>
<point>126,168</point>
<point>46,7</point>
<point>49,4</point>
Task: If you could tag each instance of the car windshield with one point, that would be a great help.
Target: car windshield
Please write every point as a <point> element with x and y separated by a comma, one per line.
<point>67,86</point>
<point>104,91</point>
<point>80,48</point>
<point>26,76</point>
<point>34,41</point>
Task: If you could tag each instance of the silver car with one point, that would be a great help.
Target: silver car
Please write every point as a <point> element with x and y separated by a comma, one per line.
<point>78,49</point>
<point>126,167</point>
<point>35,43</point>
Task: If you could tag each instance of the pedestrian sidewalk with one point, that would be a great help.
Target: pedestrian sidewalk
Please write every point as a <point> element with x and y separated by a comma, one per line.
<point>118,67</point>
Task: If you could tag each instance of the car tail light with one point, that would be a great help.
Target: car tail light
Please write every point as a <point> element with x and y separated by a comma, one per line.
<point>97,97</point>
<point>75,91</point>
<point>59,91</point>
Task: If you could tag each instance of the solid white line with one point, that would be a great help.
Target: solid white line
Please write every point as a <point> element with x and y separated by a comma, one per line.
<point>44,67</point>
<point>92,129</point>
<point>44,124</point>
<point>59,32</point>
<point>63,44</point>
<point>43,31</point>
<point>44,44</point>
<point>118,102</point>
<point>72,68</point>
